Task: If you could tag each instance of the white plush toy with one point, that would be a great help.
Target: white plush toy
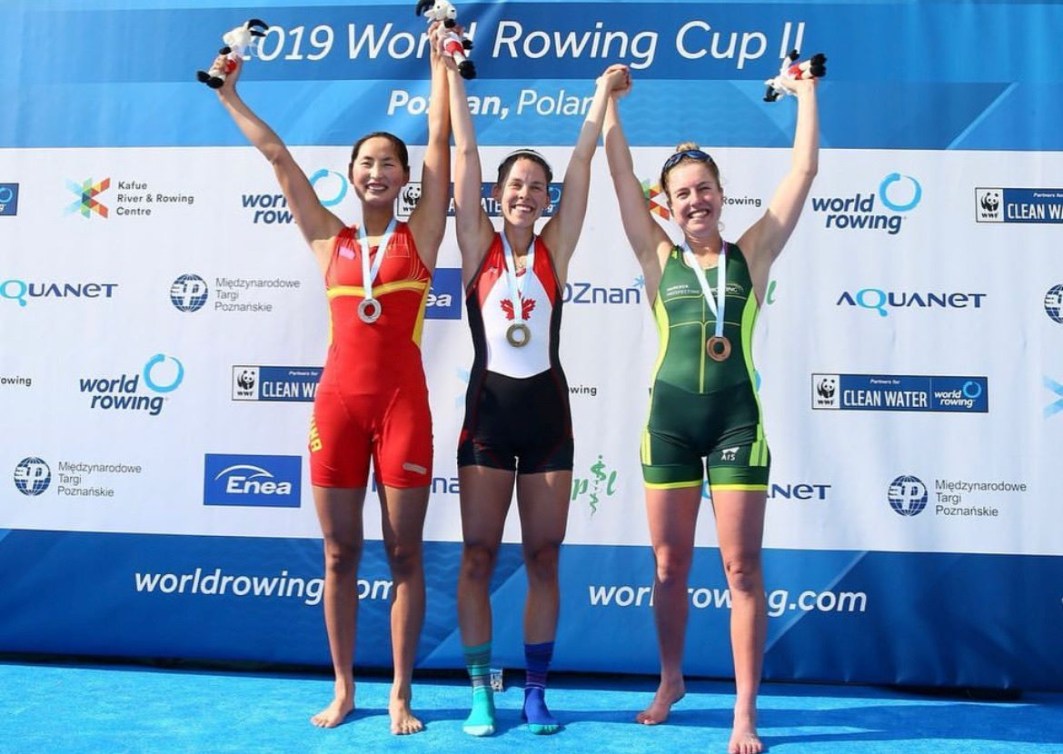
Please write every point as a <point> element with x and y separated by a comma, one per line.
<point>813,68</point>
<point>238,42</point>
<point>454,44</point>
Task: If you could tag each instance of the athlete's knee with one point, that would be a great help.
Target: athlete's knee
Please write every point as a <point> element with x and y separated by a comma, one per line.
<point>342,557</point>
<point>541,561</point>
<point>673,566</point>
<point>404,558</point>
<point>744,573</point>
<point>478,561</point>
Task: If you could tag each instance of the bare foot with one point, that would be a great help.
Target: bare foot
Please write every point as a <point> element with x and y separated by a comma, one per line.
<point>335,713</point>
<point>403,722</point>
<point>744,738</point>
<point>745,743</point>
<point>666,696</point>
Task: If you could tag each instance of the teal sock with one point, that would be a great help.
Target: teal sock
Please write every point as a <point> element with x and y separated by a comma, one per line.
<point>481,720</point>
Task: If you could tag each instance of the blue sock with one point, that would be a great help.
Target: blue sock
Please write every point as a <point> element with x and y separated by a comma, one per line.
<point>481,720</point>
<point>535,712</point>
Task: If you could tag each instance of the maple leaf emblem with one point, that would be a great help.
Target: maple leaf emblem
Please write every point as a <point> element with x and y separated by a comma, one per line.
<point>526,306</point>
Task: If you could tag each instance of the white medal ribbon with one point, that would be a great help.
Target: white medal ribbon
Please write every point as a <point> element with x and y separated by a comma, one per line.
<point>717,306</point>
<point>517,284</point>
<point>369,275</point>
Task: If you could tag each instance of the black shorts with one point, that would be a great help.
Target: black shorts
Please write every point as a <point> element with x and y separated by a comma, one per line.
<point>517,424</point>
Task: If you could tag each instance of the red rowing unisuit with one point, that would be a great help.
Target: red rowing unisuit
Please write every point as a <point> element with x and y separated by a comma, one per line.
<point>372,399</point>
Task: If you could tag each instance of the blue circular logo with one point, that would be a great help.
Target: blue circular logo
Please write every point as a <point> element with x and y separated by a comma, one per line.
<point>1054,303</point>
<point>884,191</point>
<point>149,368</point>
<point>6,194</point>
<point>32,476</point>
<point>907,495</point>
<point>189,293</point>
<point>339,192</point>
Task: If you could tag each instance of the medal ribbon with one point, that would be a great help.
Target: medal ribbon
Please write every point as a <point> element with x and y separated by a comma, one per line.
<point>516,284</point>
<point>718,305</point>
<point>369,275</point>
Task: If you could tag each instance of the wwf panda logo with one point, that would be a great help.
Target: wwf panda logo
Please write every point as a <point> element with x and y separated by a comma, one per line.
<point>246,379</point>
<point>411,194</point>
<point>827,387</point>
<point>991,201</point>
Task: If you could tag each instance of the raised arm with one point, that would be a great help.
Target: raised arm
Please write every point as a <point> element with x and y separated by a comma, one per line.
<point>765,239</point>
<point>474,228</point>
<point>318,225</point>
<point>648,240</point>
<point>428,221</point>
<point>561,233</point>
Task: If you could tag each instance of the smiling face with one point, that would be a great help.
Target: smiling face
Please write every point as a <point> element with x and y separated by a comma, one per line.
<point>695,198</point>
<point>378,171</point>
<point>524,194</point>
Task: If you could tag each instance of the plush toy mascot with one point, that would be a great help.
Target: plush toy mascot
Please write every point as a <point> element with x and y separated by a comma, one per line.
<point>813,68</point>
<point>237,42</point>
<point>454,44</point>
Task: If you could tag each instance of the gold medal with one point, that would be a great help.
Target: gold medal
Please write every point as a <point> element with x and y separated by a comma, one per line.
<point>518,335</point>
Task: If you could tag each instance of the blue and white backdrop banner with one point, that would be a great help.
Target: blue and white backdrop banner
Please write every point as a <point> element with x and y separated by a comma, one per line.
<point>164,328</point>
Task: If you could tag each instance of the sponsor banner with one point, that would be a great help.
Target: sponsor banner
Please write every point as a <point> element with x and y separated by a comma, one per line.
<point>156,294</point>
<point>536,71</point>
<point>149,596</point>
<point>1019,205</point>
<point>284,384</point>
<point>886,392</point>
<point>8,199</point>
<point>258,481</point>
<point>445,298</point>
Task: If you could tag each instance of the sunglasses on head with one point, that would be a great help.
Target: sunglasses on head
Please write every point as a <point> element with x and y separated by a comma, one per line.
<point>692,154</point>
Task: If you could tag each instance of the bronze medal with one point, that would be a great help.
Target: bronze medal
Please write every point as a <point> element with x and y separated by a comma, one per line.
<point>718,348</point>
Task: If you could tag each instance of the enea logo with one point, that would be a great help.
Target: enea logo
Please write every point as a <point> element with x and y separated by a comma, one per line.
<point>600,484</point>
<point>124,393</point>
<point>1054,303</point>
<point>1018,205</point>
<point>444,298</point>
<point>21,291</point>
<point>259,481</point>
<point>1056,388</point>
<point>86,203</point>
<point>883,301</point>
<point>907,495</point>
<point>32,476</point>
<point>897,193</point>
<point>8,199</point>
<point>279,384</point>
<point>188,293</point>
<point>895,392</point>
<point>583,292</point>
